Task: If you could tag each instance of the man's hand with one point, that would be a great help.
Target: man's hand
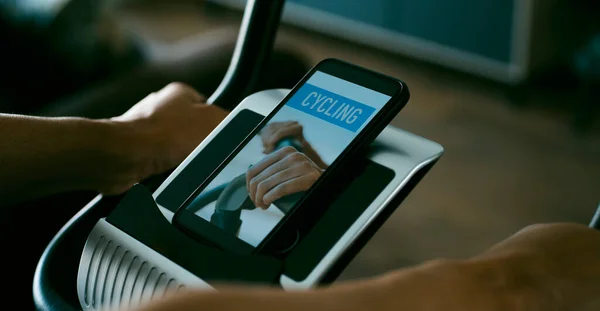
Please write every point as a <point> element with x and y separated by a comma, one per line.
<point>283,172</point>
<point>170,123</point>
<point>553,266</point>
<point>549,267</point>
<point>274,132</point>
<point>45,156</point>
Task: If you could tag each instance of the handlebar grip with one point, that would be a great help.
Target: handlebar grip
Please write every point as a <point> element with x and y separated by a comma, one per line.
<point>289,142</point>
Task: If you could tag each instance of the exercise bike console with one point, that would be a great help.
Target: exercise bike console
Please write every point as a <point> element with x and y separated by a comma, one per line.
<point>136,254</point>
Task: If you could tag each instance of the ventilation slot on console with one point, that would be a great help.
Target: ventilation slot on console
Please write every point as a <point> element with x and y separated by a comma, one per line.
<point>117,277</point>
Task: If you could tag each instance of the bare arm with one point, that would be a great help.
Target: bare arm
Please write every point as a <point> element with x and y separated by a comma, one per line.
<point>42,156</point>
<point>435,286</point>
<point>548,267</point>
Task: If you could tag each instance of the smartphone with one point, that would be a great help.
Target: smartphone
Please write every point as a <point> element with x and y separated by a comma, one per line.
<point>291,159</point>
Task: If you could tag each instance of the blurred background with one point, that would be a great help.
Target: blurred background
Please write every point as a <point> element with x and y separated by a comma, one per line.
<point>508,87</point>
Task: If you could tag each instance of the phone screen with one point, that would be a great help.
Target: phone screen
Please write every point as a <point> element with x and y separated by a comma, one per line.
<point>263,182</point>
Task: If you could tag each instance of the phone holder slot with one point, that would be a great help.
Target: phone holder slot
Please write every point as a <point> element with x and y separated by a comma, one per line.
<point>368,180</point>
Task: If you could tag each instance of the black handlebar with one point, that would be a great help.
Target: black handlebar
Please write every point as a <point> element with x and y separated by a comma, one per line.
<point>53,287</point>
<point>252,50</point>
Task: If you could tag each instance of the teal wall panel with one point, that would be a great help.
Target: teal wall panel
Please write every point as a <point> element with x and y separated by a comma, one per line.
<point>482,27</point>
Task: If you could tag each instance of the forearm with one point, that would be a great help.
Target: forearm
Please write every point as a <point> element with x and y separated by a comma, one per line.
<point>42,156</point>
<point>350,296</point>
<point>440,285</point>
<point>549,268</point>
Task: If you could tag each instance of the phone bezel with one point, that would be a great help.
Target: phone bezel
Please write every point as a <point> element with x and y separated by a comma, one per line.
<point>396,89</point>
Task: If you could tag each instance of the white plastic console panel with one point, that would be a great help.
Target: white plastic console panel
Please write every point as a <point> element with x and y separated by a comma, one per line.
<point>117,270</point>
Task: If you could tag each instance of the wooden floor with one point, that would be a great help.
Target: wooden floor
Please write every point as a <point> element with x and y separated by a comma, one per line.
<point>505,166</point>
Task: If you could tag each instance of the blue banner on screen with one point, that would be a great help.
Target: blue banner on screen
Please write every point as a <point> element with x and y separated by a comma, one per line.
<point>331,107</point>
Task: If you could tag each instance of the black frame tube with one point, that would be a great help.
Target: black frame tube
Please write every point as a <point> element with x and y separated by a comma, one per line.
<point>252,50</point>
